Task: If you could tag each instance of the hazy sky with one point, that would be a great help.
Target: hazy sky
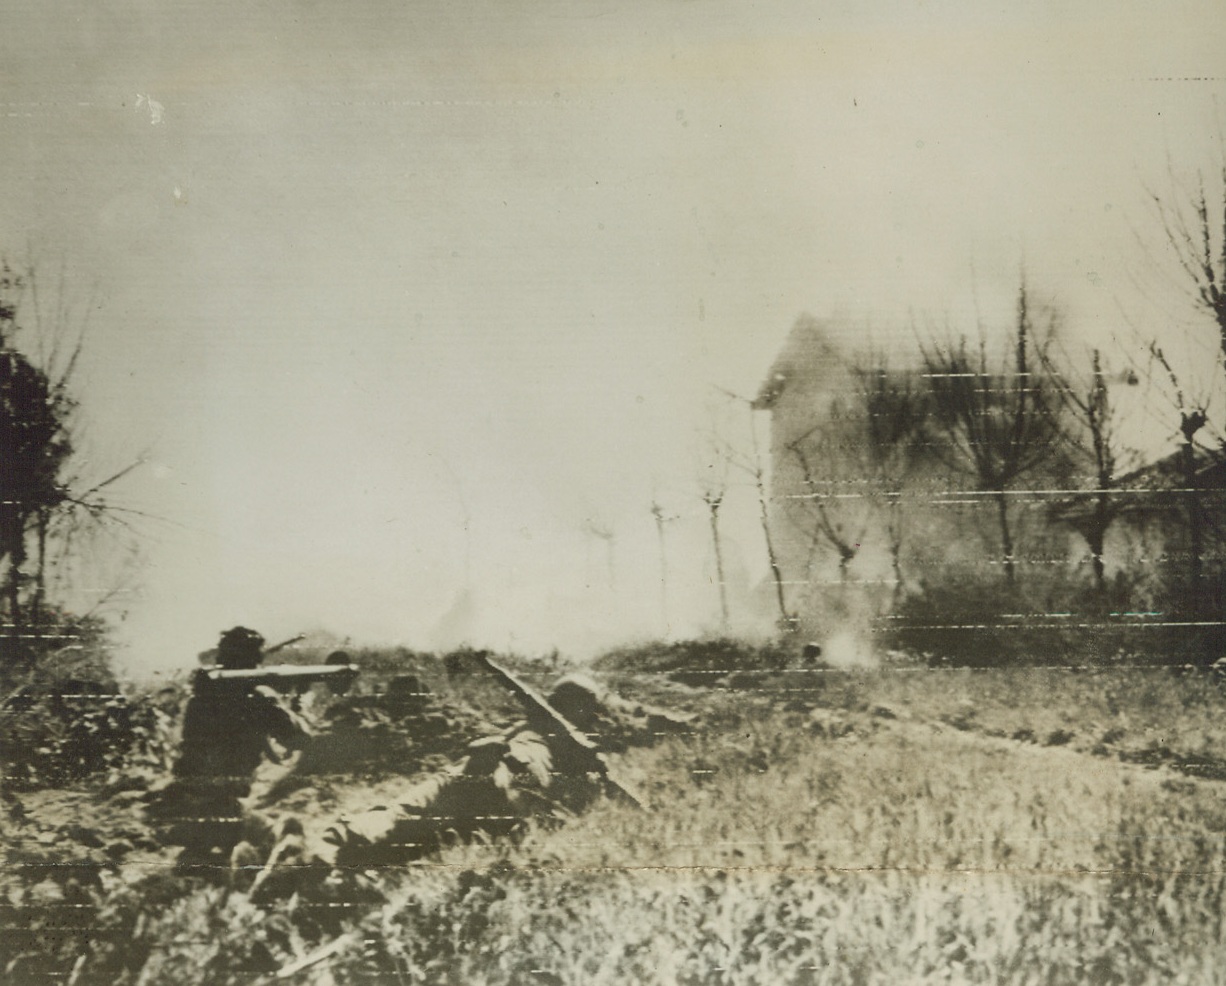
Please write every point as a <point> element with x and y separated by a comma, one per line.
<point>406,298</point>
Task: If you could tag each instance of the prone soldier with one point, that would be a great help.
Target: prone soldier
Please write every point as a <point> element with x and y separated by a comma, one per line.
<point>544,768</point>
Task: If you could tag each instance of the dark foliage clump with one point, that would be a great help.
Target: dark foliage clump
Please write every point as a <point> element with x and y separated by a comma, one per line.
<point>694,662</point>
<point>964,621</point>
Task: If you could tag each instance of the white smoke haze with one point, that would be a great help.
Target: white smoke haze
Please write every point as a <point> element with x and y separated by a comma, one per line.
<point>507,580</point>
<point>849,649</point>
<point>408,301</point>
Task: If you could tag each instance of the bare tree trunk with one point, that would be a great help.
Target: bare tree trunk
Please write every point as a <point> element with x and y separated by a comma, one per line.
<point>1006,536</point>
<point>823,526</point>
<point>12,595</point>
<point>753,467</point>
<point>786,618</point>
<point>1195,531</point>
<point>40,576</point>
<point>1190,422</point>
<point>12,592</point>
<point>1097,539</point>
<point>893,530</point>
<point>713,504</point>
<point>658,513</point>
<point>607,535</point>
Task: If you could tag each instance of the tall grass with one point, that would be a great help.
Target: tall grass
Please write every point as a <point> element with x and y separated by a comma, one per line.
<point>892,855</point>
<point>817,827</point>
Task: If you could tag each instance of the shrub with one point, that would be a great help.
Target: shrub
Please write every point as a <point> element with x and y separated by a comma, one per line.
<point>962,619</point>
<point>65,718</point>
<point>693,662</point>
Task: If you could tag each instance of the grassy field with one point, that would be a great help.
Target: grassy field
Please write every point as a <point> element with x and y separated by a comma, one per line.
<point>899,825</point>
<point>847,841</point>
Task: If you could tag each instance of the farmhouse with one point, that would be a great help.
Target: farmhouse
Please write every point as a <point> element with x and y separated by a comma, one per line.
<point>869,505</point>
<point>844,513</point>
<point>809,394</point>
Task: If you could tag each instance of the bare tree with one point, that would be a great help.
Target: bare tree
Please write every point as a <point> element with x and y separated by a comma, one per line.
<point>713,488</point>
<point>828,524</point>
<point>714,498</point>
<point>1193,416</point>
<point>1195,227</point>
<point>895,411</point>
<point>998,425</point>
<point>1092,428</point>
<point>752,465</point>
<point>594,527</point>
<point>662,520</point>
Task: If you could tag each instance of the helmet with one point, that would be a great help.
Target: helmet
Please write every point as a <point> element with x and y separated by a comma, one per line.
<point>240,649</point>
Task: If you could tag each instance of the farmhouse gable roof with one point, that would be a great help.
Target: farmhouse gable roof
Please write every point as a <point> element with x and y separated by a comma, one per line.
<point>808,351</point>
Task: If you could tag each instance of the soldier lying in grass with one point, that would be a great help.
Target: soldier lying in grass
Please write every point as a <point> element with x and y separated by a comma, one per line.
<point>545,768</point>
<point>502,781</point>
